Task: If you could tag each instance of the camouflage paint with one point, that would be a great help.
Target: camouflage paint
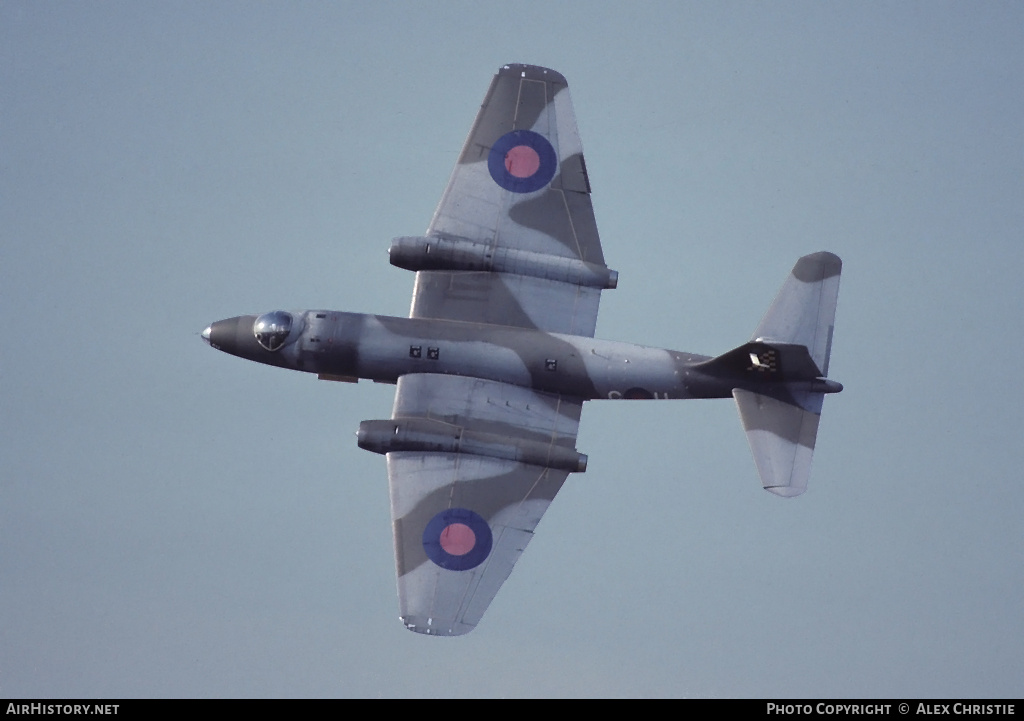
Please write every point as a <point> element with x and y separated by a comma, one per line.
<point>497,357</point>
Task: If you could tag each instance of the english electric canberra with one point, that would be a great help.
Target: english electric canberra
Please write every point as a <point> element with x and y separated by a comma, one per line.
<point>498,355</point>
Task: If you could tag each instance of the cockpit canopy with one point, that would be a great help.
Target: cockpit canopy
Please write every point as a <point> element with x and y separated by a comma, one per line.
<point>272,329</point>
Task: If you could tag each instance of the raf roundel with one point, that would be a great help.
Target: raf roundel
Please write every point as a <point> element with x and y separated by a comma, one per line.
<point>522,161</point>
<point>457,539</point>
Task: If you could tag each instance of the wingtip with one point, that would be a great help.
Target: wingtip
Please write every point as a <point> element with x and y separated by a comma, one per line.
<point>818,266</point>
<point>786,491</point>
<point>434,627</point>
<point>532,72</point>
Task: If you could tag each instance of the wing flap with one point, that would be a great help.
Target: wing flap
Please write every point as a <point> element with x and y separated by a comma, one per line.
<point>504,299</point>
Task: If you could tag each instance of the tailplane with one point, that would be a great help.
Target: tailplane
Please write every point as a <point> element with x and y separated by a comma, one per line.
<point>804,311</point>
<point>790,350</point>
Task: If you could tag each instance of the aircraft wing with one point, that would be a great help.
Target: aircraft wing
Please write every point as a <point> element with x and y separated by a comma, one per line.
<point>461,519</point>
<point>519,197</point>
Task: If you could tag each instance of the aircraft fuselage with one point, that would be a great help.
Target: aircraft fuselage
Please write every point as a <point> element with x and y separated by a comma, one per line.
<point>352,346</point>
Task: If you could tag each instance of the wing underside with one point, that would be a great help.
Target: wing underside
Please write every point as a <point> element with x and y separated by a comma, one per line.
<point>499,501</point>
<point>520,187</point>
<point>461,519</point>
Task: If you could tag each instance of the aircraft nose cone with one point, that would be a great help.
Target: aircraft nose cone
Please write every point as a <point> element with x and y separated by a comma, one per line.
<point>234,336</point>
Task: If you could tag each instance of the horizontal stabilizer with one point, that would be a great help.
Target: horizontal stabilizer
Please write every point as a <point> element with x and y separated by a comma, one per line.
<point>781,437</point>
<point>804,311</point>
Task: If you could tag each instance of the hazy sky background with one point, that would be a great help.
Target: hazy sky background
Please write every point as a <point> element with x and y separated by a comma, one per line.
<point>178,522</point>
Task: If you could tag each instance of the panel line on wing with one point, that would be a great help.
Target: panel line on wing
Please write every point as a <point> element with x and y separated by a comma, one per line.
<point>519,104</point>
<point>572,226</point>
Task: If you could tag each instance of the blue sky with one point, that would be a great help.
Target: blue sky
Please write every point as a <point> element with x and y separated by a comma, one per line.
<point>176,522</point>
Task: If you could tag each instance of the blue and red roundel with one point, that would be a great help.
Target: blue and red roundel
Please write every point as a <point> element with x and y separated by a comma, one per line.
<point>457,539</point>
<point>522,161</point>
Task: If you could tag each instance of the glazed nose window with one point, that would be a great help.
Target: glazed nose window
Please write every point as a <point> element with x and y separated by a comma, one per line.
<point>271,329</point>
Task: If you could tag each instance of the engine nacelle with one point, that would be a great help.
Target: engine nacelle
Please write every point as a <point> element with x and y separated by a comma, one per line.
<point>420,253</point>
<point>430,436</point>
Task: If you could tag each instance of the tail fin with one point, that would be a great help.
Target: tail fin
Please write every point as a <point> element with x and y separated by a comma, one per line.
<point>782,422</point>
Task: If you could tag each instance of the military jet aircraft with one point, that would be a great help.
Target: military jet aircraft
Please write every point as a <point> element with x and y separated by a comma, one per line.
<point>497,356</point>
